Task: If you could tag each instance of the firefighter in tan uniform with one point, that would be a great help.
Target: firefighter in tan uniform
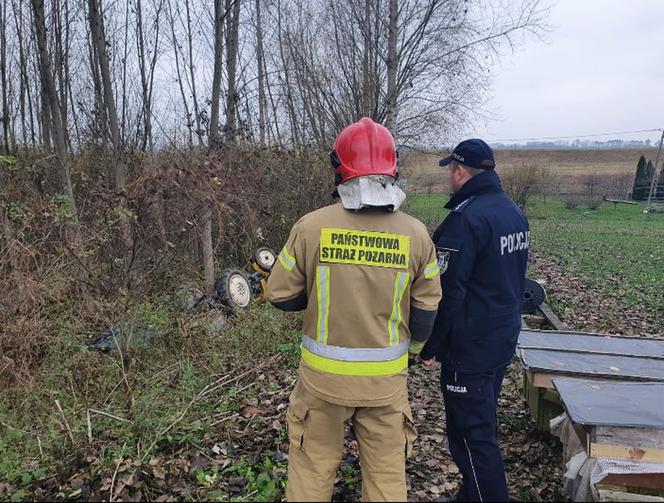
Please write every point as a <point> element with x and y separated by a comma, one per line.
<point>368,279</point>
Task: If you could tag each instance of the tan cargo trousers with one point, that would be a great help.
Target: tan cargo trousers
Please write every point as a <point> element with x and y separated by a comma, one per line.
<point>385,437</point>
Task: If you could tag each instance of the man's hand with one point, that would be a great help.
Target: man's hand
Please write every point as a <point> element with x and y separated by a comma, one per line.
<point>427,363</point>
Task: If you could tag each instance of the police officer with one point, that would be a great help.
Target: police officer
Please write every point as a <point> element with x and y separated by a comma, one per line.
<point>367,277</point>
<point>482,248</point>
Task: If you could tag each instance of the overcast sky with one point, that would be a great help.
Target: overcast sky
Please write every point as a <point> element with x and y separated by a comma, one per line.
<point>600,69</point>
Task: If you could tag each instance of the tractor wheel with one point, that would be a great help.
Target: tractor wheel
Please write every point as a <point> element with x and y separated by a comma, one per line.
<point>533,296</point>
<point>233,288</point>
<point>265,259</point>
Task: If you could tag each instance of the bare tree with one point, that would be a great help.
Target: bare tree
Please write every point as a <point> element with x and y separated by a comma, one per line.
<point>51,103</point>
<point>99,38</point>
<point>232,42</point>
<point>214,140</point>
<point>433,75</point>
<point>180,77</point>
<point>288,72</point>
<point>147,70</point>
<point>6,117</point>
<point>25,93</point>
<point>216,75</point>
<point>260,61</point>
<point>190,53</point>
<point>392,67</point>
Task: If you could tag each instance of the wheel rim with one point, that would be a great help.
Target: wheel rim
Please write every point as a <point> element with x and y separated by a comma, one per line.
<point>266,258</point>
<point>239,290</point>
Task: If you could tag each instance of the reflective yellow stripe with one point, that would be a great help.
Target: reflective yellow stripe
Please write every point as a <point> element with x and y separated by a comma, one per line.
<point>431,270</point>
<point>354,368</point>
<point>323,294</point>
<point>286,259</point>
<point>400,284</point>
<point>415,348</point>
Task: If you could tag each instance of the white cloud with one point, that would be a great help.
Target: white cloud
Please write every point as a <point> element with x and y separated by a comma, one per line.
<point>600,70</point>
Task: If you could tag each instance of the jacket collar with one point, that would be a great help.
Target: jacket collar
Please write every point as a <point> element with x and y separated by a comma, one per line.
<point>484,183</point>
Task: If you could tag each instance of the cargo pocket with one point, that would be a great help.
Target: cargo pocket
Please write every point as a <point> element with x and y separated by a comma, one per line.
<point>296,419</point>
<point>410,433</point>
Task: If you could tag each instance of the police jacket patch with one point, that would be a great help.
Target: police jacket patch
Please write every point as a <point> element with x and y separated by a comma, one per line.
<point>444,252</point>
<point>443,259</point>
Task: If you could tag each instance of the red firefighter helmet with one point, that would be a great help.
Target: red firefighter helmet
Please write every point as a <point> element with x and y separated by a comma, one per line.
<point>363,148</point>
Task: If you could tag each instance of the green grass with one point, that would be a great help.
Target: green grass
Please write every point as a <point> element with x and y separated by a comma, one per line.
<point>152,387</point>
<point>427,207</point>
<point>617,250</point>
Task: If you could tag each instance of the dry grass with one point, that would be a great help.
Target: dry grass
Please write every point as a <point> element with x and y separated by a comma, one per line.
<point>55,289</point>
<point>424,175</point>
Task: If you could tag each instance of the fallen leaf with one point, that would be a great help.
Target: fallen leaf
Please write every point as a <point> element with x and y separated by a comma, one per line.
<point>249,411</point>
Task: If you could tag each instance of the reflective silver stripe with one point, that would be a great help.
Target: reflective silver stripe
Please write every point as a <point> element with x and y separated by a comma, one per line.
<point>472,465</point>
<point>355,354</point>
<point>393,327</point>
<point>431,271</point>
<point>323,292</point>
<point>286,259</point>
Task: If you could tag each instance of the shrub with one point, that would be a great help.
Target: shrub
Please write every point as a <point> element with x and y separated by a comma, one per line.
<point>256,196</point>
<point>570,201</point>
<point>522,182</point>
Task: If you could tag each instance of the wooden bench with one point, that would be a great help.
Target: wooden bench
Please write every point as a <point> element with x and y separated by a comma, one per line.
<point>619,420</point>
<point>546,355</point>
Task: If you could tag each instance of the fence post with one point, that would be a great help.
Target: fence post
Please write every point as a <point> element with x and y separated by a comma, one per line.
<point>655,172</point>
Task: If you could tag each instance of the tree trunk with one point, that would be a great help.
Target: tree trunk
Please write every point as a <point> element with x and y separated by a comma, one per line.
<point>180,78</point>
<point>208,250</point>
<point>206,218</point>
<point>24,82</point>
<point>7,235</point>
<point>190,49</point>
<point>260,58</point>
<point>216,76</point>
<point>145,92</point>
<point>99,39</point>
<point>125,57</point>
<point>287,82</point>
<point>366,78</point>
<point>6,116</point>
<point>232,33</point>
<point>60,61</point>
<point>392,66</point>
<point>52,105</point>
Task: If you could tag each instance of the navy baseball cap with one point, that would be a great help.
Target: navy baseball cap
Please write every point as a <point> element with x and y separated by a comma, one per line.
<point>474,153</point>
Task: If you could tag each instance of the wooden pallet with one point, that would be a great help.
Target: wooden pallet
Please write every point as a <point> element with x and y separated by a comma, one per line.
<point>543,401</point>
<point>609,492</point>
<point>633,444</point>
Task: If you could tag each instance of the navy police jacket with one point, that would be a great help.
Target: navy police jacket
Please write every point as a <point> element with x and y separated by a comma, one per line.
<point>482,249</point>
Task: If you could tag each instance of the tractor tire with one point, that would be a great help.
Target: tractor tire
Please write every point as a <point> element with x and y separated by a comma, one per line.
<point>233,288</point>
<point>533,296</point>
<point>265,259</point>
